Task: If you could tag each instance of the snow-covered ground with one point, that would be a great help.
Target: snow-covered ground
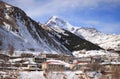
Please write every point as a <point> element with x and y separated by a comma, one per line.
<point>94,53</point>
<point>59,75</point>
<point>88,53</point>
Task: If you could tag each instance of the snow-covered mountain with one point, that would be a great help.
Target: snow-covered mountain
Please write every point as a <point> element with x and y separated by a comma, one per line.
<point>59,29</point>
<point>56,22</point>
<point>23,33</point>
<point>106,41</point>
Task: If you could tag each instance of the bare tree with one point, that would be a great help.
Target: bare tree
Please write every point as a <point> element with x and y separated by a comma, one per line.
<point>11,50</point>
<point>94,66</point>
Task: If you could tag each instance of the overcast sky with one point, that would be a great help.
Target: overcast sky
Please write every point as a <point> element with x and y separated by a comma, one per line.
<point>103,15</point>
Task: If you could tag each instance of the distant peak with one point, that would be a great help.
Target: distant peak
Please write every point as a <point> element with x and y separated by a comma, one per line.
<point>55,21</point>
<point>54,17</point>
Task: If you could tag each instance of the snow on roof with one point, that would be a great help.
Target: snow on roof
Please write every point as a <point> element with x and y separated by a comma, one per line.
<point>29,62</point>
<point>15,60</point>
<point>58,62</point>
<point>114,63</point>
<point>78,72</point>
<point>2,72</point>
<point>82,63</point>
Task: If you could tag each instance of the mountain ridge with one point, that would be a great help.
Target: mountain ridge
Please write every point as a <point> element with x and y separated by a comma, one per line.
<point>90,34</point>
<point>68,38</point>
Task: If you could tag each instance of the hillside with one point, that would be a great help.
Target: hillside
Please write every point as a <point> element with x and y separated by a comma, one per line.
<point>24,34</point>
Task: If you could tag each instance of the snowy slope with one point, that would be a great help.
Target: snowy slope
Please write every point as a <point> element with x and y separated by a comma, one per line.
<point>23,33</point>
<point>106,41</point>
<point>60,75</point>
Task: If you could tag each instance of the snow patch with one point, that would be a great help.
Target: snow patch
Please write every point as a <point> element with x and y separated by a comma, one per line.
<point>8,6</point>
<point>7,26</point>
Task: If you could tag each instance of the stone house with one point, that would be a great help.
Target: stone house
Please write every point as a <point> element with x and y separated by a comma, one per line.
<point>55,65</point>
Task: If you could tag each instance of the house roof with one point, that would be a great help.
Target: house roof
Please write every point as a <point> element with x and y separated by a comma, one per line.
<point>29,62</point>
<point>58,62</point>
<point>15,60</point>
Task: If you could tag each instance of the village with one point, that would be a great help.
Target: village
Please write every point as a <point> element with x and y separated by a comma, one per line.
<point>107,65</point>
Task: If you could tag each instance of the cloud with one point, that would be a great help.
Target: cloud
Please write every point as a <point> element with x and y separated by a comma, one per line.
<point>35,8</point>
